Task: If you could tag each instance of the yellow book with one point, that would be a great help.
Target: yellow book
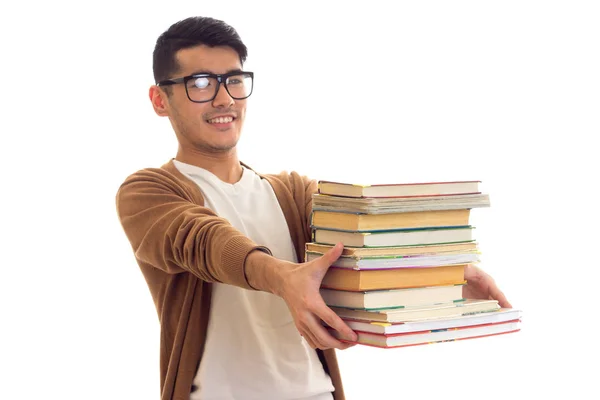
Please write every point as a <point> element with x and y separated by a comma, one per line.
<point>395,251</point>
<point>378,222</point>
<point>398,278</point>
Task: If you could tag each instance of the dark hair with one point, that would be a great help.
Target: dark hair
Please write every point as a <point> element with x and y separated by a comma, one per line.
<point>192,32</point>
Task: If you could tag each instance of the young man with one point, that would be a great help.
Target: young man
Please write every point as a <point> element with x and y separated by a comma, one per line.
<point>220,245</point>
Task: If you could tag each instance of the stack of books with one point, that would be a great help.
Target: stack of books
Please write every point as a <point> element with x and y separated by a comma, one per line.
<point>400,278</point>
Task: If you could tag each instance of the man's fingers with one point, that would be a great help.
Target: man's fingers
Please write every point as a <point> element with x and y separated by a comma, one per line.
<point>310,338</point>
<point>323,338</point>
<point>334,321</point>
<point>497,294</point>
<point>347,345</point>
<point>309,326</point>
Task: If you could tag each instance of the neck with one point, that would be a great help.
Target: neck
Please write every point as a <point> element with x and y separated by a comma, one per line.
<point>226,165</point>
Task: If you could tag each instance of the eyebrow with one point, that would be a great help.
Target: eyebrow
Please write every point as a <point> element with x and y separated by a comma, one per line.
<point>210,72</point>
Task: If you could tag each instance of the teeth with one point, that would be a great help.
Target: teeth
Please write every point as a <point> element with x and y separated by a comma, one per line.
<point>220,120</point>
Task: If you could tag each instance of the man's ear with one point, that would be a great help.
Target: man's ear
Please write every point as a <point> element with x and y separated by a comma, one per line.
<point>159,101</point>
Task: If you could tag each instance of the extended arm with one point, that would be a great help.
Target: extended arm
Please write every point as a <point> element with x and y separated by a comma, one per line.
<point>170,231</point>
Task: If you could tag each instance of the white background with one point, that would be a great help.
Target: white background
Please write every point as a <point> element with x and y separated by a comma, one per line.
<point>505,92</point>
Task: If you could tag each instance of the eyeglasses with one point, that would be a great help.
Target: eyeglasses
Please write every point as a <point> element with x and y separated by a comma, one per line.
<point>202,88</point>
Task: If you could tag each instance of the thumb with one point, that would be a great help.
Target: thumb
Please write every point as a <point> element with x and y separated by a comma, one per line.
<point>331,256</point>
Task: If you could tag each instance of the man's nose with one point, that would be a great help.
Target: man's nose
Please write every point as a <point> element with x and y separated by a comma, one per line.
<point>222,99</point>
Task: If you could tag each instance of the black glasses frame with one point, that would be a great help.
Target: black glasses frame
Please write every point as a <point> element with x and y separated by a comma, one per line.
<point>221,78</point>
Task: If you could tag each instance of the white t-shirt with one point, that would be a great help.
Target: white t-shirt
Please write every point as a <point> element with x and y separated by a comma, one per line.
<point>253,349</point>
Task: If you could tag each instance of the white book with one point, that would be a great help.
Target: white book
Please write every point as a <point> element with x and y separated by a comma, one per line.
<point>394,298</point>
<point>436,336</point>
<point>404,237</point>
<point>398,204</point>
<point>400,261</point>
<point>382,328</point>
<point>469,306</point>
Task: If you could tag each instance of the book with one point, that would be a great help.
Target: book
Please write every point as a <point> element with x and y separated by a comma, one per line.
<point>386,328</point>
<point>433,336</point>
<point>387,262</point>
<point>397,278</point>
<point>374,205</point>
<point>395,238</point>
<point>393,251</point>
<point>397,189</point>
<point>407,314</point>
<point>398,298</point>
<point>380,222</point>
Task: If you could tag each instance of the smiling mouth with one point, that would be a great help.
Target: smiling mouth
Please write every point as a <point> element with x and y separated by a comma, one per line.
<point>221,120</point>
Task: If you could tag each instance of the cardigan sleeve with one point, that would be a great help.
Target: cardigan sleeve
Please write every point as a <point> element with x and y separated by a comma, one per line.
<point>173,233</point>
<point>310,188</point>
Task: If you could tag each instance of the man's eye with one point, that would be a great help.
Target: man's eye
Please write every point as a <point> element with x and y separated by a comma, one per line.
<point>200,83</point>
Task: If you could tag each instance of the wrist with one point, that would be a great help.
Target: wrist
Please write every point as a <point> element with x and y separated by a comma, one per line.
<point>263,272</point>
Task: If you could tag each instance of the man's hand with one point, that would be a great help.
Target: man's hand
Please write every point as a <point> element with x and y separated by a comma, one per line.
<point>298,285</point>
<point>300,290</point>
<point>480,285</point>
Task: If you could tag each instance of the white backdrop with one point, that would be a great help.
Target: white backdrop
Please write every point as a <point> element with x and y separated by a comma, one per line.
<point>505,92</point>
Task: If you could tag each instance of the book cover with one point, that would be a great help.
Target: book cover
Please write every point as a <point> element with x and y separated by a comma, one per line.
<point>397,189</point>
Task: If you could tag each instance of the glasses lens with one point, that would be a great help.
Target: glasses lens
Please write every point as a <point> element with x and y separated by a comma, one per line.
<point>239,86</point>
<point>201,88</point>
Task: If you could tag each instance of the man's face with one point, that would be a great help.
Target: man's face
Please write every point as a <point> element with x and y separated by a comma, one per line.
<point>206,127</point>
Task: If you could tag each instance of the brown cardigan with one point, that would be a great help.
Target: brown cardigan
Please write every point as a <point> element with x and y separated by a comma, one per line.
<point>182,246</point>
